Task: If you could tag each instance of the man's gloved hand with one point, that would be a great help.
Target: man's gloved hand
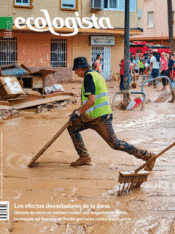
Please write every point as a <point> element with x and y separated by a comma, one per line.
<point>75,115</point>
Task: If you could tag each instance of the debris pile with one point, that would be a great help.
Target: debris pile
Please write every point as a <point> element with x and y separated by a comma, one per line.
<point>57,105</point>
<point>30,90</point>
<point>4,113</point>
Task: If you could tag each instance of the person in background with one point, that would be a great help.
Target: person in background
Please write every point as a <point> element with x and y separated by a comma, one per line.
<point>135,63</point>
<point>154,65</point>
<point>140,55</point>
<point>147,70</point>
<point>121,64</point>
<point>170,66</point>
<point>173,68</point>
<point>131,57</point>
<point>148,59</point>
<point>141,63</point>
<point>164,69</point>
<point>146,55</point>
<point>121,74</point>
<point>98,65</point>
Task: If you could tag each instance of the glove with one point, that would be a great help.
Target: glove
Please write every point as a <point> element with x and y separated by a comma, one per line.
<point>75,115</point>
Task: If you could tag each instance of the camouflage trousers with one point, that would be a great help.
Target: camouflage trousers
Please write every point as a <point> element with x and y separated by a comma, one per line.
<point>103,126</point>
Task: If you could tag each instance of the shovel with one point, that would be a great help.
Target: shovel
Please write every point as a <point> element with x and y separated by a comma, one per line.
<point>163,97</point>
<point>48,144</point>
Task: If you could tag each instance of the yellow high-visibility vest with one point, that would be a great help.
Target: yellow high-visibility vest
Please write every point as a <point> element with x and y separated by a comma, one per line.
<point>101,106</point>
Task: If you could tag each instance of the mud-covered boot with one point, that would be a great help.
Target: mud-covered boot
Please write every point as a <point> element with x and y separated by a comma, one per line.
<point>81,161</point>
<point>151,165</point>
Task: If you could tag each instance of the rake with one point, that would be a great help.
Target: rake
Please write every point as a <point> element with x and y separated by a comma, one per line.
<point>130,180</point>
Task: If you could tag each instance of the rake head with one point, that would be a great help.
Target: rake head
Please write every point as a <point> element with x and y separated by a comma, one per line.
<point>130,180</point>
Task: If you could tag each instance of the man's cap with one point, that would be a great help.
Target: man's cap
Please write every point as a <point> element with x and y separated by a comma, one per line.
<point>80,62</point>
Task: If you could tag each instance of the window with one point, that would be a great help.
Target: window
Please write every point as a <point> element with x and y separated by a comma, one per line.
<point>111,4</point>
<point>97,4</point>
<point>119,5</point>
<point>58,52</point>
<point>150,19</point>
<point>23,3</point>
<point>69,5</point>
<point>8,50</point>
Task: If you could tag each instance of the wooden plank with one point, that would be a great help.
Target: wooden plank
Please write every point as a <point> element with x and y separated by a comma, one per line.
<point>35,97</point>
<point>26,68</point>
<point>3,107</point>
<point>6,103</point>
<point>33,100</point>
<point>40,101</point>
<point>58,93</point>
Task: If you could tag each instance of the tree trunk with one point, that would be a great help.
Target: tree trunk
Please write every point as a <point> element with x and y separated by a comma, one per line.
<point>126,83</point>
<point>126,47</point>
<point>170,25</point>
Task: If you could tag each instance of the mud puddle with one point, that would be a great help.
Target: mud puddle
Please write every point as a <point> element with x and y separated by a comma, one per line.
<point>53,197</point>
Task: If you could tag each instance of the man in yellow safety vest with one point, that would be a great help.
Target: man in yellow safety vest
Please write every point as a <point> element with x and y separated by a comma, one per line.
<point>95,113</point>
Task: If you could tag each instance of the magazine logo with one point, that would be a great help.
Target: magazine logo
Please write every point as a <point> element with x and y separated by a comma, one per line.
<point>39,24</point>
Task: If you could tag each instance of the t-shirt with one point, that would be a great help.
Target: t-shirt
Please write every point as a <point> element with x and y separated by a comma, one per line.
<point>122,67</point>
<point>131,59</point>
<point>147,65</point>
<point>164,64</point>
<point>135,63</point>
<point>170,64</point>
<point>147,61</point>
<point>146,56</point>
<point>89,85</point>
<point>153,60</point>
<point>98,65</point>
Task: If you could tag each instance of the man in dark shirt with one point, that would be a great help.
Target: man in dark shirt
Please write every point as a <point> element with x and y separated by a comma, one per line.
<point>170,66</point>
<point>95,113</point>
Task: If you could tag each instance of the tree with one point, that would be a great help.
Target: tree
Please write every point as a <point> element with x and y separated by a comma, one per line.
<point>170,25</point>
<point>126,94</point>
<point>126,46</point>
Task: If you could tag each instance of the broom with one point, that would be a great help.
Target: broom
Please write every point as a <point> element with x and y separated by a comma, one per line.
<point>130,180</point>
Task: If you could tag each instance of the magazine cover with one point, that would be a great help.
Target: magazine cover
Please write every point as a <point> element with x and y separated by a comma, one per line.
<point>86,141</point>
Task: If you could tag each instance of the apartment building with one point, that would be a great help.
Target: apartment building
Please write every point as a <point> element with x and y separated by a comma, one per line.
<point>155,22</point>
<point>50,34</point>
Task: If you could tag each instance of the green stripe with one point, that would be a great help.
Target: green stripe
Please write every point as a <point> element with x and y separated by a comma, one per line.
<point>6,22</point>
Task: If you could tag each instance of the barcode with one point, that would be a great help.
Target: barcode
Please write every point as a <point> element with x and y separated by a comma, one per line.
<point>4,210</point>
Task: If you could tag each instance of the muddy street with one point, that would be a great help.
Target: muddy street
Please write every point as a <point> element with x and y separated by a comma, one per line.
<point>53,197</point>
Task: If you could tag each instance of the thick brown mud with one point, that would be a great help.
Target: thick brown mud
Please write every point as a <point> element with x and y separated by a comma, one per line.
<point>53,197</point>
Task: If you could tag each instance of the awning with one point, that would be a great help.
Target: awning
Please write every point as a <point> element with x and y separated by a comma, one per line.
<point>91,31</point>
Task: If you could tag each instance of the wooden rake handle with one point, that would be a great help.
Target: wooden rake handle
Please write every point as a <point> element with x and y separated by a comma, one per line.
<point>156,156</point>
<point>48,144</point>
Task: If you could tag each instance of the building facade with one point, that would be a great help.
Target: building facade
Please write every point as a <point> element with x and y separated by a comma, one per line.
<point>50,34</point>
<point>155,22</point>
